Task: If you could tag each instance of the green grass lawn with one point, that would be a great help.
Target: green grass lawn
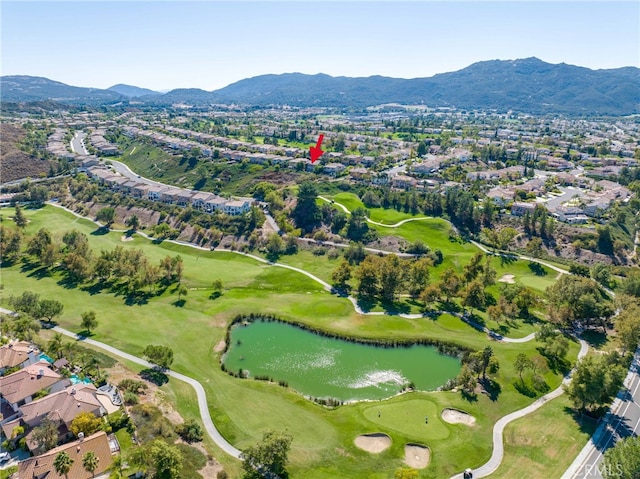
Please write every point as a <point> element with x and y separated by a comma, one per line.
<point>543,444</point>
<point>242,409</point>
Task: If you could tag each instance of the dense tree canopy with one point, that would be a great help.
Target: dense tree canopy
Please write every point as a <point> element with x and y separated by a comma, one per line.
<point>270,456</point>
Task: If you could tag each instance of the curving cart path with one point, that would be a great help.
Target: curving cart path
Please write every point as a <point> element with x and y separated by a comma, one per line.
<point>495,460</point>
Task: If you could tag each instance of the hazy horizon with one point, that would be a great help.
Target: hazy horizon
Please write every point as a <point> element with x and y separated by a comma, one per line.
<point>209,45</point>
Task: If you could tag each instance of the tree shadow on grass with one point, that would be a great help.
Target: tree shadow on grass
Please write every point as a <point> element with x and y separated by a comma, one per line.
<point>524,389</point>
<point>469,397</point>
<point>395,307</point>
<point>179,303</point>
<point>365,303</point>
<point>506,258</point>
<point>95,288</point>
<point>39,273</point>
<point>101,231</point>
<point>491,388</point>
<point>537,269</point>
<point>154,376</point>
<point>587,424</point>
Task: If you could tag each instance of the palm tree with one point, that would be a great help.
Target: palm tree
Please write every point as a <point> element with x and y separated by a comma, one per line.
<point>90,462</point>
<point>62,463</point>
<point>116,468</point>
<point>55,345</point>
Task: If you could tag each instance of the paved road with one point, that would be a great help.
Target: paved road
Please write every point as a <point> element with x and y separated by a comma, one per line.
<point>622,420</point>
<point>495,460</point>
<point>77,143</point>
<point>567,194</point>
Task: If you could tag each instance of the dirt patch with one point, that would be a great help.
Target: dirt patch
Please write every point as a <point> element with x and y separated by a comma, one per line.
<point>212,467</point>
<point>507,278</point>
<point>220,346</point>
<point>417,456</point>
<point>373,443</point>
<point>454,416</point>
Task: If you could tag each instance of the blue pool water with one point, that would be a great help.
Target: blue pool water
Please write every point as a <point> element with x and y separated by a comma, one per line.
<point>75,379</point>
<point>46,358</point>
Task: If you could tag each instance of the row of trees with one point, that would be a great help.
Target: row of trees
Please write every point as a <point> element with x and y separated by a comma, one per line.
<point>128,268</point>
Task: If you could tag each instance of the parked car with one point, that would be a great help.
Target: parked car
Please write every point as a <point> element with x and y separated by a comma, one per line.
<point>4,457</point>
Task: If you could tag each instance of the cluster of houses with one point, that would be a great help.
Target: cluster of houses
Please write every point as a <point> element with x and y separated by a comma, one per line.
<point>143,189</point>
<point>104,147</point>
<point>579,208</point>
<point>38,391</point>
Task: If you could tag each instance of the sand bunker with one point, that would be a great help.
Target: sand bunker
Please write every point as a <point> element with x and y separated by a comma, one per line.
<point>374,443</point>
<point>507,278</point>
<point>417,456</point>
<point>126,238</point>
<point>453,416</point>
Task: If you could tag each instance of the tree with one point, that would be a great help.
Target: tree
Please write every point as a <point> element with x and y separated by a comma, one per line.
<point>107,216</point>
<point>55,345</point>
<point>306,213</point>
<point>367,276</point>
<point>466,380</point>
<point>86,423</point>
<point>133,222</point>
<point>28,302</point>
<point>623,460</point>
<point>190,431</point>
<point>39,243</point>
<point>594,383</point>
<point>159,459</point>
<point>19,218</point>
<point>182,291</point>
<point>90,462</point>
<point>49,309</point>
<point>391,276</point>
<point>419,276</point>
<point>10,244</point>
<point>62,463</point>
<point>450,283</point>
<point>89,321</point>
<point>341,275</point>
<point>159,355</point>
<point>357,227</point>
<point>269,457</point>
<point>473,295</point>
<point>483,361</point>
<point>521,364</point>
<point>275,246</point>
<point>627,325</point>
<point>45,436</point>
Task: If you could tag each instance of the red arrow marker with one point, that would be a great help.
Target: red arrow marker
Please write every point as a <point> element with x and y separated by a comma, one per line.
<point>315,151</point>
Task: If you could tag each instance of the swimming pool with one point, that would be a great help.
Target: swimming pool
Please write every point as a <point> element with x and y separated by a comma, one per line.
<point>46,358</point>
<point>75,379</point>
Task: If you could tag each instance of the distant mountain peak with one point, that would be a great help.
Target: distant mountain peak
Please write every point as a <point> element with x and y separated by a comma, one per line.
<point>131,91</point>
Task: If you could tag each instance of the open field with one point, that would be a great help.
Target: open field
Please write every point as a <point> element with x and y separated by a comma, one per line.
<point>543,444</point>
<point>323,438</point>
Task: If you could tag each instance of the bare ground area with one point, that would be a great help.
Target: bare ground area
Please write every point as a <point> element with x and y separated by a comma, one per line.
<point>417,456</point>
<point>373,443</point>
<point>454,416</point>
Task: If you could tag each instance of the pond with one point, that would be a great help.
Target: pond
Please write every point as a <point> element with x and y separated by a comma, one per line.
<point>323,367</point>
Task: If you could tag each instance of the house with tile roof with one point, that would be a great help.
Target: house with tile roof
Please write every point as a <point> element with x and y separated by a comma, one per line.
<point>41,467</point>
<point>18,388</point>
<point>17,354</point>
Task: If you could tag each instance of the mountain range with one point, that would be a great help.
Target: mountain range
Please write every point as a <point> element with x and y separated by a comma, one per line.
<point>526,85</point>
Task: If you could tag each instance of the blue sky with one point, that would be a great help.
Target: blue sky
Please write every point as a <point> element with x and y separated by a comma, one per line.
<point>209,44</point>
